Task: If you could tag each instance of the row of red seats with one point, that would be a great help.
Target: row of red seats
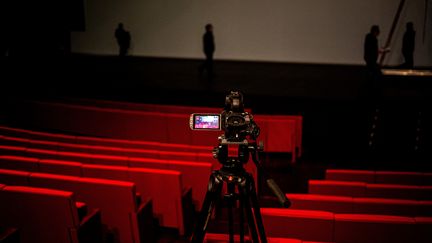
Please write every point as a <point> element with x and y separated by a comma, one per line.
<point>361,189</point>
<point>278,135</point>
<point>163,187</point>
<point>93,149</point>
<point>280,124</point>
<point>219,238</point>
<point>194,175</point>
<point>361,205</point>
<point>123,216</point>
<point>32,210</point>
<point>381,177</point>
<point>23,141</point>
<point>345,228</point>
<point>99,141</point>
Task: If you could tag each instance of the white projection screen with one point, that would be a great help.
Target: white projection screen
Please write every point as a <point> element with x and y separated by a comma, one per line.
<point>302,31</point>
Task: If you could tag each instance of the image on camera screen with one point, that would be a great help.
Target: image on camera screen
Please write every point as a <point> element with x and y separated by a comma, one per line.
<point>207,122</point>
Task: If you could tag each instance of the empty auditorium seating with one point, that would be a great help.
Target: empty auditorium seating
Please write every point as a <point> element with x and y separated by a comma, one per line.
<point>335,204</point>
<point>299,224</point>
<point>359,228</point>
<point>222,238</point>
<point>350,175</point>
<point>60,167</point>
<point>162,186</point>
<point>325,226</point>
<point>98,141</point>
<point>19,163</point>
<point>342,188</point>
<point>128,124</point>
<point>14,177</point>
<point>422,233</point>
<point>380,177</point>
<point>398,177</point>
<point>343,204</point>
<point>104,154</point>
<point>43,215</point>
<point>195,175</point>
<point>360,189</point>
<point>115,199</point>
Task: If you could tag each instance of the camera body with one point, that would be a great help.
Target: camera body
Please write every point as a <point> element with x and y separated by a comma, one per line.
<point>238,126</point>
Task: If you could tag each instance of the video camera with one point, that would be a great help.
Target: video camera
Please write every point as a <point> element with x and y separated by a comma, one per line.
<point>233,120</point>
<point>238,126</point>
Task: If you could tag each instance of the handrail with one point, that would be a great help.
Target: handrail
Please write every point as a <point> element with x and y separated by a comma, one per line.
<point>390,36</point>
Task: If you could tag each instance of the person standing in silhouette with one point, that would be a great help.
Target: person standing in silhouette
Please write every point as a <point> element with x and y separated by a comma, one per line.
<point>208,48</point>
<point>371,52</point>
<point>123,40</point>
<point>370,55</point>
<point>408,44</point>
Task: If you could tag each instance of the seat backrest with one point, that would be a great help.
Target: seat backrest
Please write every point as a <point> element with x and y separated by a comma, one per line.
<point>115,199</point>
<point>350,175</point>
<point>373,228</point>
<point>164,187</point>
<point>194,174</point>
<point>341,188</point>
<point>19,163</point>
<point>60,167</point>
<point>300,224</point>
<point>14,177</point>
<point>42,215</point>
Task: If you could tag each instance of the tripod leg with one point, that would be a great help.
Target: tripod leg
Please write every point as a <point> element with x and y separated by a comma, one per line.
<point>241,215</point>
<point>231,200</point>
<point>244,193</point>
<point>256,209</point>
<point>213,192</point>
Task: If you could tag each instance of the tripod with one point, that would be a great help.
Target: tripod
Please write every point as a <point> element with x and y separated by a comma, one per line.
<point>234,175</point>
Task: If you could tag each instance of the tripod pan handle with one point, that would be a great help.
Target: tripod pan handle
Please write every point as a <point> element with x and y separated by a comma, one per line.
<point>285,202</point>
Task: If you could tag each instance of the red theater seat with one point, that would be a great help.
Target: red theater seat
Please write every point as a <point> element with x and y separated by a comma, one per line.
<point>164,187</point>
<point>426,179</point>
<point>341,204</point>
<point>335,204</point>
<point>19,163</point>
<point>350,175</point>
<point>398,177</point>
<point>341,188</point>
<point>424,208</point>
<point>224,238</point>
<point>12,150</point>
<point>60,167</point>
<point>299,224</point>
<point>14,177</point>
<point>194,175</point>
<point>96,141</point>
<point>360,228</point>
<point>116,200</point>
<point>394,191</point>
<point>423,230</point>
<point>42,215</point>
<point>385,206</point>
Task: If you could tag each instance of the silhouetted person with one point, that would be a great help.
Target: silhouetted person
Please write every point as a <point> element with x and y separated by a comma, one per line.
<point>123,39</point>
<point>371,52</point>
<point>208,48</point>
<point>408,44</point>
